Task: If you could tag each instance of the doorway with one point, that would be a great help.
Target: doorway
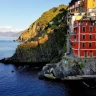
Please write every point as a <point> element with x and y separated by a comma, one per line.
<point>85,53</point>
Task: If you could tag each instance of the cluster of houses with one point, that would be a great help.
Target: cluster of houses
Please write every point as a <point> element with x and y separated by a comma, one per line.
<point>81,21</point>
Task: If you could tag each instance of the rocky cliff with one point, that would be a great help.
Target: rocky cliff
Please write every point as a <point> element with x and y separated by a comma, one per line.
<point>70,69</point>
<point>44,40</point>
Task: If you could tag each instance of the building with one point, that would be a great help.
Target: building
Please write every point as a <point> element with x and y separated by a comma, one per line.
<point>91,4</point>
<point>81,19</point>
<point>81,5</point>
<point>83,40</point>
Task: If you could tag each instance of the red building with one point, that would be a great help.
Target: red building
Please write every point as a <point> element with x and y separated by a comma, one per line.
<point>83,40</point>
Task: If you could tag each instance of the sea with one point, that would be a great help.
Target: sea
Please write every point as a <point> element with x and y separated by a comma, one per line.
<point>17,80</point>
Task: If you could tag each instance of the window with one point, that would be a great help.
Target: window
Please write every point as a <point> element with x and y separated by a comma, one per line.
<point>74,37</point>
<point>92,22</point>
<point>75,31</point>
<point>90,29</point>
<point>90,44</point>
<point>81,22</point>
<point>83,36</point>
<point>83,29</point>
<point>90,36</point>
<point>76,9</point>
<point>85,53</point>
<point>83,44</point>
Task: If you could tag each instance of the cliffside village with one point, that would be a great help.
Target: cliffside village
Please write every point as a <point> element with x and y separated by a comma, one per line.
<point>81,21</point>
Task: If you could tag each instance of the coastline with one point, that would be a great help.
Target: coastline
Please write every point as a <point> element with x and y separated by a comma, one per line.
<point>32,64</point>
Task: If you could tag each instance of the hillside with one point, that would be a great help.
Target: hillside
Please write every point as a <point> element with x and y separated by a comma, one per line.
<point>45,24</point>
<point>44,40</point>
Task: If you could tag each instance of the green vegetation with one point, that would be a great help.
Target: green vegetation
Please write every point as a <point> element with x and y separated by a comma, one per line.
<point>82,65</point>
<point>49,15</point>
<point>65,58</point>
<point>53,26</point>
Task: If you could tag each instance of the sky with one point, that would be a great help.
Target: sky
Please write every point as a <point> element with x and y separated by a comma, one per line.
<point>17,15</point>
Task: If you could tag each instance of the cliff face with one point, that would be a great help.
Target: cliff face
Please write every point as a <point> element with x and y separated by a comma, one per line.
<point>44,40</point>
<point>43,50</point>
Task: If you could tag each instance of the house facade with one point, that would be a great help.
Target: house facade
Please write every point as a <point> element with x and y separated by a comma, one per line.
<point>81,19</point>
<point>83,41</point>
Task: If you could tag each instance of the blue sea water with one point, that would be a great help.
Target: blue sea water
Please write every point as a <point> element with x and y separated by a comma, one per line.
<point>7,47</point>
<point>24,81</point>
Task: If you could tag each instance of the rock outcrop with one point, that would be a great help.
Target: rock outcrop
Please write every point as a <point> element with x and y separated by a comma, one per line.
<point>71,69</point>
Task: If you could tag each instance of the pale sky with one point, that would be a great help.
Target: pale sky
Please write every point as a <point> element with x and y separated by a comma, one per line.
<point>19,14</point>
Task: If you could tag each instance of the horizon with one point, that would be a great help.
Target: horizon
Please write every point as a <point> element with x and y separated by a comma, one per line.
<point>17,16</point>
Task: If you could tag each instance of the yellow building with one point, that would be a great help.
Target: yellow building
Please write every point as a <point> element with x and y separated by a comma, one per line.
<point>91,4</point>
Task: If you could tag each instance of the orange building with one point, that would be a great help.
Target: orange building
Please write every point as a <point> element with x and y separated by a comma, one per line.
<point>83,40</point>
